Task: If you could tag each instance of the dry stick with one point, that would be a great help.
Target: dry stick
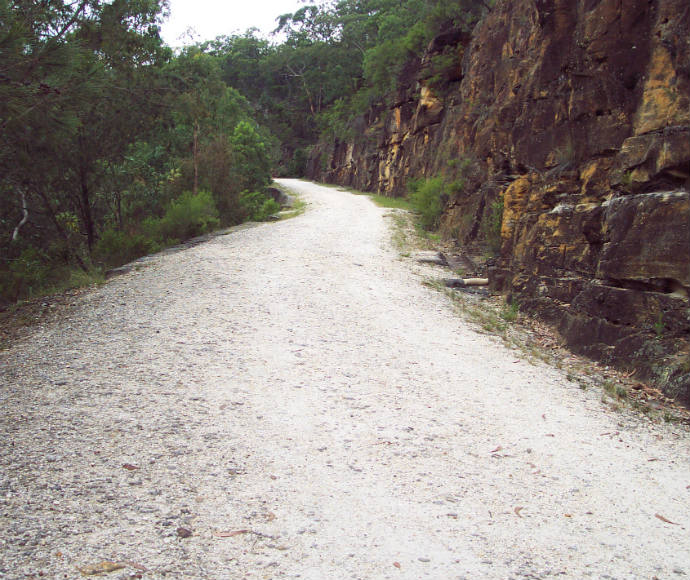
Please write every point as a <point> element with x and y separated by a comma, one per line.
<point>25,218</point>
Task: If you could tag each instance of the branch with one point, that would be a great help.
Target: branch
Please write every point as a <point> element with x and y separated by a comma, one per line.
<point>71,21</point>
<point>25,218</point>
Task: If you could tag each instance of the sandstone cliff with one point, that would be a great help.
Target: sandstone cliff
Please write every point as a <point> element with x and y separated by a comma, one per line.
<point>573,118</point>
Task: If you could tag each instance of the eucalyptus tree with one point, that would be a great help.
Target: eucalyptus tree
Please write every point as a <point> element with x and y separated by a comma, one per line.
<point>69,100</point>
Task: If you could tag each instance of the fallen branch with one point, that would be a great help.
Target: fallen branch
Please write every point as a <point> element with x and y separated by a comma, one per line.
<point>25,218</point>
<point>462,282</point>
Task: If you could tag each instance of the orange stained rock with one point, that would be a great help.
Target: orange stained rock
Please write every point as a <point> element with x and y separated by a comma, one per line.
<point>662,104</point>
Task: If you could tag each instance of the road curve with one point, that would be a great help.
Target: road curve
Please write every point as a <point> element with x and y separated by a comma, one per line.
<point>288,401</point>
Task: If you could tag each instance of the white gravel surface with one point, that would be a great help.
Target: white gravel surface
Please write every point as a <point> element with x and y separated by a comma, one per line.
<point>293,396</point>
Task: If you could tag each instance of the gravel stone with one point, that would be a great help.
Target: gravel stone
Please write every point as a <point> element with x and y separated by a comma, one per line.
<point>187,366</point>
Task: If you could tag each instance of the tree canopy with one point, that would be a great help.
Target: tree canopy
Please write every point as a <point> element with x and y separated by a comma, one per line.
<point>113,145</point>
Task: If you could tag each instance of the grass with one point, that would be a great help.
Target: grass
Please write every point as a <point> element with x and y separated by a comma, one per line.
<point>400,233</point>
<point>390,202</point>
<point>383,200</point>
<point>69,279</point>
<point>659,326</point>
<point>509,312</point>
<point>670,417</point>
<point>79,279</point>
<point>431,236</point>
<point>299,206</point>
<point>485,317</point>
<point>406,236</point>
<point>618,392</point>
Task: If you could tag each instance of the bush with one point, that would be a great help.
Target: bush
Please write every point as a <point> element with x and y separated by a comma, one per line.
<point>26,275</point>
<point>116,247</point>
<point>189,216</point>
<point>258,206</point>
<point>491,227</point>
<point>426,198</point>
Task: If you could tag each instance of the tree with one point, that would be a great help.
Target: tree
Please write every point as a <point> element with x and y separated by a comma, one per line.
<point>66,69</point>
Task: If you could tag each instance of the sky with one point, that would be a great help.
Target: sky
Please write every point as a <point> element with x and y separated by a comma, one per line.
<point>211,18</point>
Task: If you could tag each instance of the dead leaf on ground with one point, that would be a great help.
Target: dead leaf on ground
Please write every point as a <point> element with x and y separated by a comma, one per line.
<point>101,568</point>
<point>136,566</point>
<point>518,509</point>
<point>396,564</point>
<point>270,516</point>
<point>496,450</point>
<point>230,534</point>
<point>665,520</point>
<point>130,467</point>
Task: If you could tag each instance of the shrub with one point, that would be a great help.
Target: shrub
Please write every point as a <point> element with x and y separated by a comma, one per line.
<point>491,227</point>
<point>27,275</point>
<point>258,206</point>
<point>509,312</point>
<point>188,216</point>
<point>116,247</point>
<point>252,165</point>
<point>425,198</point>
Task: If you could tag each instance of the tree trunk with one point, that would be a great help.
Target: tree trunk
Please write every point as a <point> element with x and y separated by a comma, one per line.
<point>63,234</point>
<point>195,157</point>
<point>25,217</point>
<point>85,203</point>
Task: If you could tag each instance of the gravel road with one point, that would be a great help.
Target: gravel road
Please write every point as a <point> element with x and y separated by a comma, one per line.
<point>288,401</point>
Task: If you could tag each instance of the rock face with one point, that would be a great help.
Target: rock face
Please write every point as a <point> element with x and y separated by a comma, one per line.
<point>571,121</point>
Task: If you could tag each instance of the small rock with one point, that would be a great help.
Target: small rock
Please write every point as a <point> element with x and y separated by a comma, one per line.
<point>431,258</point>
<point>101,568</point>
<point>184,532</point>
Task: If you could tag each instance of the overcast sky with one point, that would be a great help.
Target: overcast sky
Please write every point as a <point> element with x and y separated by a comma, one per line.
<point>211,18</point>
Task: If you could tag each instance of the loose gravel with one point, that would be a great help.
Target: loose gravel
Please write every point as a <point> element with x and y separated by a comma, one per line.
<point>288,401</point>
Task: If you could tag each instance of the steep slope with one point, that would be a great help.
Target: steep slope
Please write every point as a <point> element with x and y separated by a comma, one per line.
<point>573,119</point>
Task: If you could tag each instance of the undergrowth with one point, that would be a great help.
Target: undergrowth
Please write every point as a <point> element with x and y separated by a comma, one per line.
<point>35,273</point>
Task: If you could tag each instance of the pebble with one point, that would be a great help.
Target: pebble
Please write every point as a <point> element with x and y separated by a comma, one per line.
<point>426,391</point>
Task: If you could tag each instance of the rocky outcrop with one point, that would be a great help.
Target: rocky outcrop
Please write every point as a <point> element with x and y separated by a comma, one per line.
<point>572,118</point>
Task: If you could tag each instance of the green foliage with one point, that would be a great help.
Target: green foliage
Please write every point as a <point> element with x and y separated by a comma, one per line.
<point>105,131</point>
<point>627,179</point>
<point>442,66</point>
<point>509,312</point>
<point>383,63</point>
<point>659,326</point>
<point>257,206</point>
<point>491,226</point>
<point>188,216</point>
<point>116,247</point>
<point>298,164</point>
<point>391,202</point>
<point>28,274</point>
<point>425,197</point>
<point>252,167</point>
